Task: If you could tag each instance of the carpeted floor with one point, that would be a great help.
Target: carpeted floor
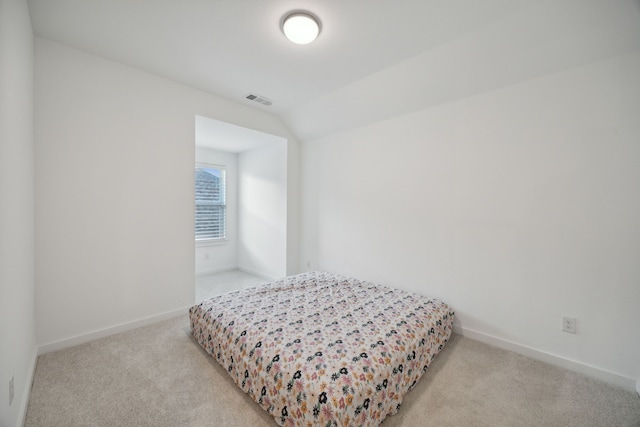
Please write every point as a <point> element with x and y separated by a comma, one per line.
<point>208,285</point>
<point>158,376</point>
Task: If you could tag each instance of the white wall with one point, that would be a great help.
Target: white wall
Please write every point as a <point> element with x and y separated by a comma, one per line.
<point>221,256</point>
<point>262,217</point>
<point>17,278</point>
<point>114,191</point>
<point>516,206</point>
<point>293,207</point>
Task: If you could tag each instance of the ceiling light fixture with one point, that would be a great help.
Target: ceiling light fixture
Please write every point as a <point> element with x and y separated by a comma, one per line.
<point>301,27</point>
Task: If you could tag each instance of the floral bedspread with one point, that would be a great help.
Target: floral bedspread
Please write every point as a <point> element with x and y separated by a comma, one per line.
<point>323,349</point>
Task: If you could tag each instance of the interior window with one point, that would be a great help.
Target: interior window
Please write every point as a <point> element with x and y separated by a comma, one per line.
<point>210,195</point>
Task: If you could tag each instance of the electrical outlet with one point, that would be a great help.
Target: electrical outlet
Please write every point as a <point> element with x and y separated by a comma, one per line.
<point>569,324</point>
<point>11,391</point>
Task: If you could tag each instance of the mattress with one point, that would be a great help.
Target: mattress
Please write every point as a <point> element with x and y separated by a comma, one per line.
<point>323,349</point>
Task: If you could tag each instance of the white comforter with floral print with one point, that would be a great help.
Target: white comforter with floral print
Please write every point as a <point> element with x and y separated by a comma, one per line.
<point>323,349</point>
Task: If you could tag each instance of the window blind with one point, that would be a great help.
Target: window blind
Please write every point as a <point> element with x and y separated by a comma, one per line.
<point>210,198</point>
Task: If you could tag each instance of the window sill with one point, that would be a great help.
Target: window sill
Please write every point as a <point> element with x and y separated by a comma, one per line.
<point>210,242</point>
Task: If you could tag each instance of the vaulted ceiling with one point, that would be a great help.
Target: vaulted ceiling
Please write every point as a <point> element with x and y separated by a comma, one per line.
<point>373,59</point>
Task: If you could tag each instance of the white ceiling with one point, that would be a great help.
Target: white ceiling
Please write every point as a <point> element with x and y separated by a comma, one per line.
<point>373,58</point>
<point>211,133</point>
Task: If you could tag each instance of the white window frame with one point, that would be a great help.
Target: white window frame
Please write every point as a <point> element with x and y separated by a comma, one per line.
<point>212,240</point>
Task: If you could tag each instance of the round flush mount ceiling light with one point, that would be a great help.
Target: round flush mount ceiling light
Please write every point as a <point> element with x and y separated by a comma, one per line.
<point>301,27</point>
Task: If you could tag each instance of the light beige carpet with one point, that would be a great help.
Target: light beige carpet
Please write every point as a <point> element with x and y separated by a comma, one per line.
<point>208,285</point>
<point>158,376</point>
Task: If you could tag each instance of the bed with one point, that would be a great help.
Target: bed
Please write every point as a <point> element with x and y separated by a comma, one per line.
<point>323,349</point>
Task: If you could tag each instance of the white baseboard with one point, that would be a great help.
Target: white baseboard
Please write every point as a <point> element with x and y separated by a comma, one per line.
<point>246,270</point>
<point>217,270</point>
<point>84,338</point>
<point>258,273</point>
<point>572,365</point>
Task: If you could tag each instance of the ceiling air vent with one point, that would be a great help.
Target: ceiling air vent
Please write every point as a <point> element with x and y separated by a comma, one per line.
<point>260,99</point>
